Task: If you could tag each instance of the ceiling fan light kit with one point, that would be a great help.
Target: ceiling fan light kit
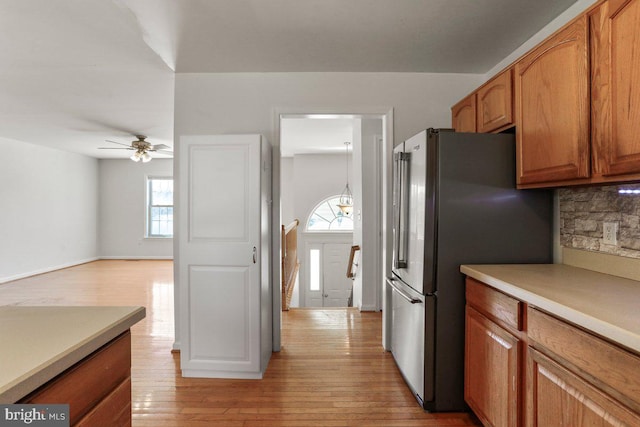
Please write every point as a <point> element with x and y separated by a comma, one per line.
<point>142,149</point>
<point>141,155</point>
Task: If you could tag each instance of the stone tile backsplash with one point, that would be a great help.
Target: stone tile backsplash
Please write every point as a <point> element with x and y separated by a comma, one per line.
<point>583,210</point>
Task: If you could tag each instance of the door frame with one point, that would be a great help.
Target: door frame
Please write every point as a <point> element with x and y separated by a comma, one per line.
<point>383,250</point>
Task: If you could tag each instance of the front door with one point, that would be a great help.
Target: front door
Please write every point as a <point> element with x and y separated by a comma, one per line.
<point>337,287</point>
<point>328,285</point>
<point>219,253</point>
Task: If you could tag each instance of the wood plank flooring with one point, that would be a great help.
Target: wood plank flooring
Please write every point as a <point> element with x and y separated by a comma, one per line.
<point>332,370</point>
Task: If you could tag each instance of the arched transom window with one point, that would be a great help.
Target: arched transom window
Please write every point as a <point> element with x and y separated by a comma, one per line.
<point>326,216</point>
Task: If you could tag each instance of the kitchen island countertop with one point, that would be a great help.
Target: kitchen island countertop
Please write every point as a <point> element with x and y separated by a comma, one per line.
<point>40,342</point>
<point>604,304</point>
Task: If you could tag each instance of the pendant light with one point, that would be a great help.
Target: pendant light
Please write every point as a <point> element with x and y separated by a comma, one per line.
<point>346,198</point>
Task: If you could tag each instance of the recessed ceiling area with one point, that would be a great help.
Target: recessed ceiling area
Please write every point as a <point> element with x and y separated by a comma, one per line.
<point>77,73</point>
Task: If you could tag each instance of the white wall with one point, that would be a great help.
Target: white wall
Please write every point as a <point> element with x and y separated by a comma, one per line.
<point>287,198</point>
<point>122,210</point>
<point>367,214</point>
<point>48,201</point>
<point>358,229</point>
<point>316,177</point>
<point>248,102</point>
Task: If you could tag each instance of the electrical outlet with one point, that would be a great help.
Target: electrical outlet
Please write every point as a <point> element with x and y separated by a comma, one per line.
<point>610,233</point>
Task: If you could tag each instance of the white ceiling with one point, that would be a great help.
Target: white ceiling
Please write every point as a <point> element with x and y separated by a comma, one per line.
<point>77,72</point>
<point>314,135</point>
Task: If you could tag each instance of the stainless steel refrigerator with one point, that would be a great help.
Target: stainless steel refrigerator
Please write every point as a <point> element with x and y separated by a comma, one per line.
<point>455,203</point>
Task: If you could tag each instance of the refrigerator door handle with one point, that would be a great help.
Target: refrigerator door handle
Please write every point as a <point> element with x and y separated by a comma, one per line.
<point>396,208</point>
<point>400,292</point>
<point>401,208</point>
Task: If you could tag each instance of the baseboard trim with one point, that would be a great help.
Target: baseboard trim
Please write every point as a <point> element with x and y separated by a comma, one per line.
<point>205,373</point>
<point>368,308</point>
<point>45,270</point>
<point>138,257</point>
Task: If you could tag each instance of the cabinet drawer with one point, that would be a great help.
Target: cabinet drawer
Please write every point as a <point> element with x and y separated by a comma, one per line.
<point>609,367</point>
<point>494,304</point>
<point>113,410</point>
<point>90,380</point>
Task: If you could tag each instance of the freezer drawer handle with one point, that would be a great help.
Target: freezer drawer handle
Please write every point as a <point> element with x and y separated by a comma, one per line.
<point>402,293</point>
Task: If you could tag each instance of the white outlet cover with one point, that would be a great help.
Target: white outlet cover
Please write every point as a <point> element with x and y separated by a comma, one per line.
<point>610,233</point>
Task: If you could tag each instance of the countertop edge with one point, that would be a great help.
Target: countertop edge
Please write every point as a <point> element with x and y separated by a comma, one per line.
<point>40,375</point>
<point>599,327</point>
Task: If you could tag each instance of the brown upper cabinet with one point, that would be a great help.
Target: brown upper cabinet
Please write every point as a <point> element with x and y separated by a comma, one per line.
<point>488,109</point>
<point>495,103</point>
<point>463,114</point>
<point>552,108</point>
<point>576,101</point>
<point>615,88</point>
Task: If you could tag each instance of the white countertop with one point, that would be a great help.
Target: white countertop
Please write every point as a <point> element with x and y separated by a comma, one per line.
<point>605,304</point>
<point>38,343</point>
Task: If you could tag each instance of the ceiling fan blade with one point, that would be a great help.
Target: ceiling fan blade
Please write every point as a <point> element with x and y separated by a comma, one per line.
<point>164,152</point>
<point>119,143</point>
<point>115,148</point>
<point>159,147</point>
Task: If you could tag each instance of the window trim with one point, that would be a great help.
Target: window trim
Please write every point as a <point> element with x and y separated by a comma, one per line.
<point>147,234</point>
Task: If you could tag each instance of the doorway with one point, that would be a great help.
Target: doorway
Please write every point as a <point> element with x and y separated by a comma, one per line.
<point>370,135</point>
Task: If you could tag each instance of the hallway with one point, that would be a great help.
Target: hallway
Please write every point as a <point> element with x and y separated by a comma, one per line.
<point>331,371</point>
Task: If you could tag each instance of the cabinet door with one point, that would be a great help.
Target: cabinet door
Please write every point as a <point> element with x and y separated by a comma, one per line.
<point>495,103</point>
<point>463,115</point>
<point>491,374</point>
<point>552,108</point>
<point>557,397</point>
<point>615,40</point>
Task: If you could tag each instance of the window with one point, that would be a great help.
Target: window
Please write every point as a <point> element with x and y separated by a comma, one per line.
<point>328,217</point>
<point>160,207</point>
<point>314,270</point>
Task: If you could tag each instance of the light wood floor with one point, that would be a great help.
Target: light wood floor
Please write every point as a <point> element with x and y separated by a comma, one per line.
<point>332,370</point>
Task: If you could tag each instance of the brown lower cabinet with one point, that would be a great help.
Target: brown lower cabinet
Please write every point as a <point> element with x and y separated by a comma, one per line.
<point>558,397</point>
<point>527,367</point>
<point>489,345</point>
<point>97,389</point>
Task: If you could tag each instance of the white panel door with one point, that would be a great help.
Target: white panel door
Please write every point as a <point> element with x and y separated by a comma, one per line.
<point>337,286</point>
<point>219,255</point>
<point>328,285</point>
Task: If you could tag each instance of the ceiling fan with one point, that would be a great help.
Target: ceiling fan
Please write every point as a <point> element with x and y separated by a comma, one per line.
<point>141,147</point>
